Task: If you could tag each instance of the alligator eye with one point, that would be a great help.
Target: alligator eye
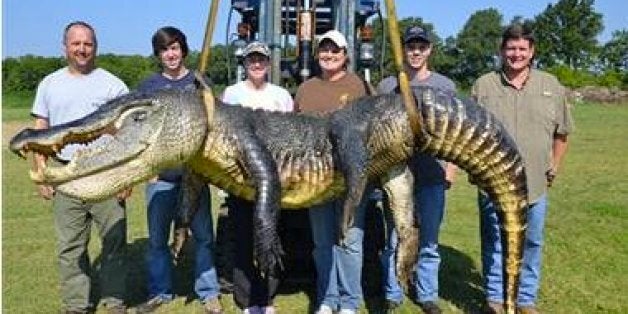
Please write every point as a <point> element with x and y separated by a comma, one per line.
<point>139,116</point>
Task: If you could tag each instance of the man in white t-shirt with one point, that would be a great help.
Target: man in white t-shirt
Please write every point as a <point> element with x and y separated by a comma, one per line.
<point>252,292</point>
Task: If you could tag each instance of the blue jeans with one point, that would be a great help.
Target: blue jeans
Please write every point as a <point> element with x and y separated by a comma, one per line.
<point>492,252</point>
<point>162,198</point>
<point>338,269</point>
<point>430,205</point>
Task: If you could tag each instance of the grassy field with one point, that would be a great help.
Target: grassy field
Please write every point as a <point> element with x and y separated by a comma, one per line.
<point>586,252</point>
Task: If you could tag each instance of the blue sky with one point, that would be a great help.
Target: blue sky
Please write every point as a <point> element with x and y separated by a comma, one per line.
<point>125,26</point>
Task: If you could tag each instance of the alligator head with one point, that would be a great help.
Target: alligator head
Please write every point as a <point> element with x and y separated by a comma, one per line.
<point>138,135</point>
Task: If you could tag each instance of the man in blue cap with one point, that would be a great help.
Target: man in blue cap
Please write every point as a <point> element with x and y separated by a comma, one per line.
<point>432,178</point>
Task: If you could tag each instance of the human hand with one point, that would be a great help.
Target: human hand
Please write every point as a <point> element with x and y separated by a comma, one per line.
<point>550,175</point>
<point>124,194</point>
<point>45,191</point>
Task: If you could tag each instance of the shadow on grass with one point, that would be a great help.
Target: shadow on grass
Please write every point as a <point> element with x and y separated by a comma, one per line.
<point>136,274</point>
<point>460,284</point>
<point>137,290</point>
<point>459,281</point>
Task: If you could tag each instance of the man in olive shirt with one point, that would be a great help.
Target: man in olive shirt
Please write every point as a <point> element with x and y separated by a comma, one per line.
<point>531,105</point>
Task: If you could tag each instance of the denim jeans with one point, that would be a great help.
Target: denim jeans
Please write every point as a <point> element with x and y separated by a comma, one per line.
<point>338,269</point>
<point>430,205</point>
<point>492,262</point>
<point>162,198</point>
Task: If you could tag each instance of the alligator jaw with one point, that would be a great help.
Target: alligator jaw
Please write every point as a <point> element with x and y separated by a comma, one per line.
<point>81,166</point>
<point>49,142</point>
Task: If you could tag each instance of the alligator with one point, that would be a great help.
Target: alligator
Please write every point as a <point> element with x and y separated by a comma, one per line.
<point>290,160</point>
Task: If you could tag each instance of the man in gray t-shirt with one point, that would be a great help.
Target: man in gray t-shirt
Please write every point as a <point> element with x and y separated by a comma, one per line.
<point>432,178</point>
<point>69,94</point>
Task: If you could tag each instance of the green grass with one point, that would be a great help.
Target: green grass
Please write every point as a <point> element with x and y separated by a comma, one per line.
<point>586,252</point>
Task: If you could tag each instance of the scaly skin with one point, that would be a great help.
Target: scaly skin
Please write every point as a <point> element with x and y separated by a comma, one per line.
<point>473,139</point>
<point>290,161</point>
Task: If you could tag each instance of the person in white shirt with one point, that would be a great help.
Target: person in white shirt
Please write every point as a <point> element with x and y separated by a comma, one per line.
<point>253,293</point>
<point>255,92</point>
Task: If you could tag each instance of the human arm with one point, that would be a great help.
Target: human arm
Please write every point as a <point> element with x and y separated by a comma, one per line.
<point>450,174</point>
<point>387,85</point>
<point>564,126</point>
<point>559,148</point>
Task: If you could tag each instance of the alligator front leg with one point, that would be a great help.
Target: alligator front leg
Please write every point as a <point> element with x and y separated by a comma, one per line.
<point>259,163</point>
<point>189,202</point>
<point>398,183</point>
<point>352,159</point>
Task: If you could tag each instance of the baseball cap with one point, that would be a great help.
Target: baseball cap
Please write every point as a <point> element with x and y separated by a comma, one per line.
<point>336,37</point>
<point>256,47</point>
<point>416,33</point>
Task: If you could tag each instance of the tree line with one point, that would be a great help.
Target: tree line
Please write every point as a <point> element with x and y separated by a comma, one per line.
<point>565,34</point>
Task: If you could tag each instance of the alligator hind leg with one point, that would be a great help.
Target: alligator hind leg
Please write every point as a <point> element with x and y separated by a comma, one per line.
<point>398,183</point>
<point>259,163</point>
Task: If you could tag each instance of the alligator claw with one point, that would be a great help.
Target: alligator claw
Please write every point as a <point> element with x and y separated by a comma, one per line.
<point>268,256</point>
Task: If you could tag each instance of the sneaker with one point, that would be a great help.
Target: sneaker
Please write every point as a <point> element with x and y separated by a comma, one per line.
<point>324,309</point>
<point>253,310</point>
<point>151,305</point>
<point>269,310</point>
<point>430,307</point>
<point>527,310</point>
<point>75,311</point>
<point>347,311</point>
<point>493,308</point>
<point>117,309</point>
<point>212,306</point>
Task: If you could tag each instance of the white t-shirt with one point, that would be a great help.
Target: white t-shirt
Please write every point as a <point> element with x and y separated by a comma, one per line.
<point>62,97</point>
<point>271,97</point>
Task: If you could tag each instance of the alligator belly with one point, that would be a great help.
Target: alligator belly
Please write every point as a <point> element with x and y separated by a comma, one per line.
<point>295,195</point>
<point>300,188</point>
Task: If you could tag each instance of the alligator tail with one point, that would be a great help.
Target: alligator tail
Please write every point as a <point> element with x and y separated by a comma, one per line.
<point>473,139</point>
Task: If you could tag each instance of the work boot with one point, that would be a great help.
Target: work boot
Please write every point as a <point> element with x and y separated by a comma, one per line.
<point>390,306</point>
<point>527,310</point>
<point>117,309</point>
<point>430,307</point>
<point>150,306</point>
<point>493,308</point>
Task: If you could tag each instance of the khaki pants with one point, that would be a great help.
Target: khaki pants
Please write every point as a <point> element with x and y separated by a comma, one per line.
<point>73,222</point>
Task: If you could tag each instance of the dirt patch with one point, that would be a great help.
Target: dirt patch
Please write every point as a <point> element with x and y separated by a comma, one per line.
<point>597,94</point>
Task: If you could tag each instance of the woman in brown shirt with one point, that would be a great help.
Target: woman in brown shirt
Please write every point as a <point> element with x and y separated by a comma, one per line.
<point>338,268</point>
